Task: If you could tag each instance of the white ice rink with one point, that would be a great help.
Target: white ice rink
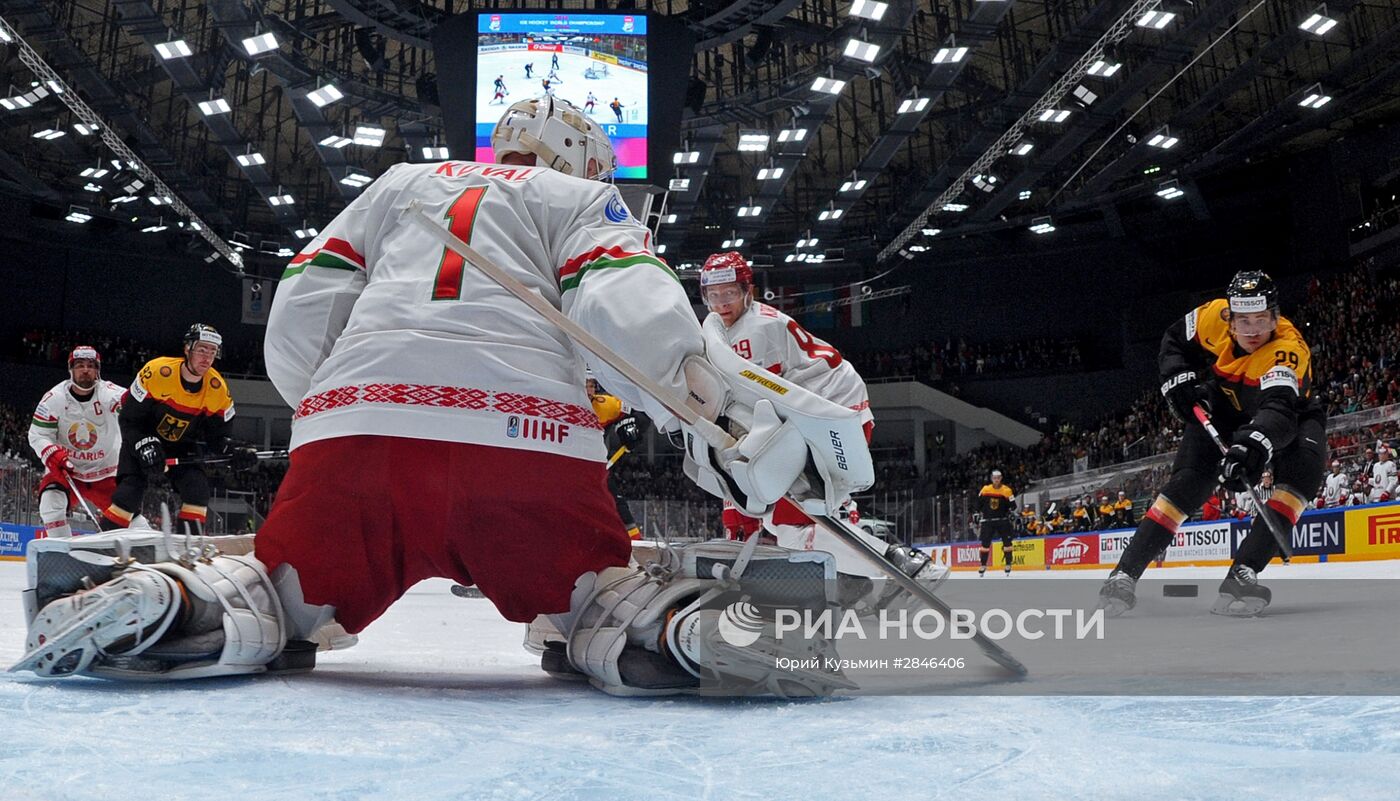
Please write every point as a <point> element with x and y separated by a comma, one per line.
<point>440,702</point>
<point>629,86</point>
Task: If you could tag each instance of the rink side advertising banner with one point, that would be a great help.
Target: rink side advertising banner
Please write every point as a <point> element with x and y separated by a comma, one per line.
<point>1318,637</point>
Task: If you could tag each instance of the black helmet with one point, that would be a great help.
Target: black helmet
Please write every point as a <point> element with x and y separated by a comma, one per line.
<point>201,332</point>
<point>1252,291</point>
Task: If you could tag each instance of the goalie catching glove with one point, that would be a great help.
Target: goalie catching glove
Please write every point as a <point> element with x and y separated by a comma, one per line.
<point>780,431</point>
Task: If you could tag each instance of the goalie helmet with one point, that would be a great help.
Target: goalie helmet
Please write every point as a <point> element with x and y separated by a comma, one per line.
<point>201,332</point>
<point>560,136</point>
<point>85,352</point>
<point>726,268</point>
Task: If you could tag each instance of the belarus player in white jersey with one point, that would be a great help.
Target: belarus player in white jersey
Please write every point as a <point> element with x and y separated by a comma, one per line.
<point>76,436</point>
<point>441,429</point>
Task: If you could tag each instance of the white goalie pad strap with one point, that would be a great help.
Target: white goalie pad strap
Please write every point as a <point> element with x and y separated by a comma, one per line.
<point>253,624</point>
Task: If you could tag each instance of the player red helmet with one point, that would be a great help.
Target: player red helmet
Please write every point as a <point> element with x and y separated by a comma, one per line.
<point>726,268</point>
<point>84,352</point>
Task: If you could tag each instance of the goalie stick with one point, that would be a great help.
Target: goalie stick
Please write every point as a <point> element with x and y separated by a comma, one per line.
<point>1284,546</point>
<point>262,455</point>
<point>715,436</point>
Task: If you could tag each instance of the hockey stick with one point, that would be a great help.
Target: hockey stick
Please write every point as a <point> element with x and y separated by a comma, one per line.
<point>262,455</point>
<point>87,507</point>
<point>711,433</point>
<point>1283,544</point>
<point>617,454</point>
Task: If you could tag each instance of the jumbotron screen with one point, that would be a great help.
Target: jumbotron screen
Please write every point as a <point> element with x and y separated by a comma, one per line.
<point>595,61</point>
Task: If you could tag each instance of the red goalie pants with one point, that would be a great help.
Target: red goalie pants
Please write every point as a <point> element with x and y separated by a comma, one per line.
<point>364,518</point>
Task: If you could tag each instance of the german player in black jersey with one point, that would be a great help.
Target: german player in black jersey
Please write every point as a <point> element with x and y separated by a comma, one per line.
<point>995,502</point>
<point>1251,370</point>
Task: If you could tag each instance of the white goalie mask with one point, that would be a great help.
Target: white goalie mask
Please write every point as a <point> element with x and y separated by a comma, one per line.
<point>559,134</point>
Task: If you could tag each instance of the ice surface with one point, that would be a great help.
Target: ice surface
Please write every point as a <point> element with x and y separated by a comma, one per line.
<point>629,86</point>
<point>440,702</point>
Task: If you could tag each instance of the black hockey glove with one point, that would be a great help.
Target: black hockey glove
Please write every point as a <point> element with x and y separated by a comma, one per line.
<point>150,453</point>
<point>1244,463</point>
<point>1183,391</point>
<point>628,432</point>
<point>241,456</point>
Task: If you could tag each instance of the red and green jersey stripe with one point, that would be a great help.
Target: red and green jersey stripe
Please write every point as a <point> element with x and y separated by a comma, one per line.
<point>612,258</point>
<point>336,254</point>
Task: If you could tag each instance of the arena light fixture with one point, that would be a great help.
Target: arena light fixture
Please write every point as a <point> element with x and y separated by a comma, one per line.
<point>830,86</point>
<point>1054,115</point>
<point>1318,23</point>
<point>668,219</point>
<point>1156,20</point>
<point>986,182</point>
<point>214,105</point>
<point>1169,190</point>
<point>753,141</point>
<point>913,105</point>
<point>5,37</point>
<point>282,199</point>
<point>770,173</point>
<point>918,248</point>
<point>308,232</point>
<point>337,141</point>
<point>325,95</point>
<point>357,178</point>
<point>156,228</point>
<point>660,249</point>
<point>793,134</point>
<point>286,253</point>
<point>96,173</point>
<point>955,207</point>
<point>50,134</point>
<point>949,55</point>
<point>854,185</point>
<point>686,157</point>
<point>250,159</point>
<point>830,213</point>
<point>750,211</point>
<point>1162,138</point>
<point>78,214</point>
<point>369,135</point>
<point>1313,97</point>
<point>1103,68</point>
<point>15,103</point>
<point>1023,148</point>
<point>1042,225</point>
<point>435,153</point>
<point>736,242</point>
<point>84,129</point>
<point>135,186</point>
<point>175,48</point>
<point>679,185</point>
<point>861,50</point>
<point>931,232</point>
<point>1084,95</point>
<point>91,187</point>
<point>259,44</point>
<point>869,9</point>
<point>810,242</point>
<point>1024,195</point>
<point>159,200</point>
<point>116,201</point>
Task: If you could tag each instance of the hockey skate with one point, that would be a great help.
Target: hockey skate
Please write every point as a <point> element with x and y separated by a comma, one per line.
<point>1118,594</point>
<point>1241,594</point>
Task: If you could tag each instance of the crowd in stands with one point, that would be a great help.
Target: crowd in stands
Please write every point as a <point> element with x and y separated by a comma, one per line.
<point>121,356</point>
<point>936,361</point>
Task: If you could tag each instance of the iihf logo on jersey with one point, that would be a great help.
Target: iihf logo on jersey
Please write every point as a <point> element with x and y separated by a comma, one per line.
<point>530,428</point>
<point>616,211</point>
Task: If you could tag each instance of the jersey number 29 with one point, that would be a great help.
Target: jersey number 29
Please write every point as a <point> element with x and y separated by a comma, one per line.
<point>461,216</point>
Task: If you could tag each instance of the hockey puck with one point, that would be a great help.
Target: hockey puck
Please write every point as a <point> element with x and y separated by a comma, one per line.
<point>462,591</point>
<point>1179,590</point>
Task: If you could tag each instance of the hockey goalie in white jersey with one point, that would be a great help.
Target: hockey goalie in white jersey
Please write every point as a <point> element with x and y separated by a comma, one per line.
<point>75,434</point>
<point>441,429</point>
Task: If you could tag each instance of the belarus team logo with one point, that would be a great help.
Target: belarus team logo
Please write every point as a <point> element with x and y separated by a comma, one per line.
<point>82,435</point>
<point>616,212</point>
<point>495,23</point>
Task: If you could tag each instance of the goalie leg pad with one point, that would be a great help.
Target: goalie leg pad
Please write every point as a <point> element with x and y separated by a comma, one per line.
<point>666,628</point>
